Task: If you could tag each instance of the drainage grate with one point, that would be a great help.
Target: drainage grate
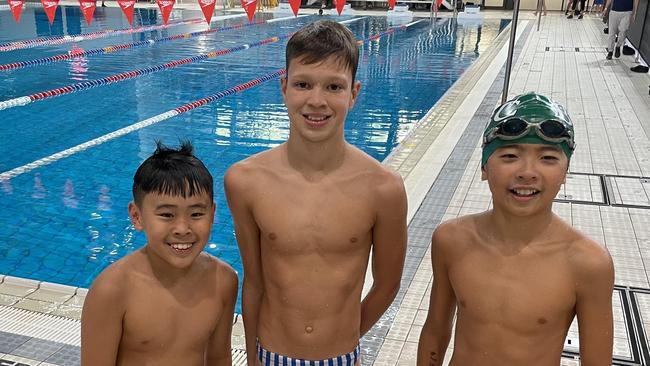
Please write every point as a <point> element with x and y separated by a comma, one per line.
<point>576,49</point>
<point>238,357</point>
<point>606,190</point>
<point>32,324</point>
<point>626,191</point>
<point>630,345</point>
<point>583,188</point>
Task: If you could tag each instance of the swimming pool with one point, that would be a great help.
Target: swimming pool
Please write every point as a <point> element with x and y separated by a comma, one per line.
<point>65,219</point>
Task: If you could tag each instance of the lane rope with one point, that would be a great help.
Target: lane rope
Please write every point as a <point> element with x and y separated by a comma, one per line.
<point>118,47</point>
<point>57,40</point>
<point>163,116</point>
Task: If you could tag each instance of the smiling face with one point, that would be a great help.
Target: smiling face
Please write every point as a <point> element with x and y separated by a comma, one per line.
<point>525,178</point>
<point>176,228</point>
<point>318,98</point>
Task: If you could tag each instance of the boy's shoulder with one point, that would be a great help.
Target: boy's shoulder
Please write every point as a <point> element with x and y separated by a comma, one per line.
<point>221,269</point>
<point>456,234</point>
<point>244,171</point>
<point>115,280</point>
<point>381,175</point>
<point>586,256</point>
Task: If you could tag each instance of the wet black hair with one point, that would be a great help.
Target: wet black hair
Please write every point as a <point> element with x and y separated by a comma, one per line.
<point>174,172</point>
<point>318,41</point>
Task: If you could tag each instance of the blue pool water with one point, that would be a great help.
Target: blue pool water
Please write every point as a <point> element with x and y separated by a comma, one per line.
<point>66,221</point>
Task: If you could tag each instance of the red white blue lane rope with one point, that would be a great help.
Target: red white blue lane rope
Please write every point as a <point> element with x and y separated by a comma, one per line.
<point>118,47</point>
<point>56,40</point>
<point>24,100</point>
<point>21,101</point>
<point>139,125</point>
<point>158,118</point>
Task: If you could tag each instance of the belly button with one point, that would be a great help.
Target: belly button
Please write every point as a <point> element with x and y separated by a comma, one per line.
<point>309,329</point>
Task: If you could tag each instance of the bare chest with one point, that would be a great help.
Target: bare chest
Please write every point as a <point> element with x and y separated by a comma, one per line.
<point>158,321</point>
<point>520,292</point>
<point>315,218</point>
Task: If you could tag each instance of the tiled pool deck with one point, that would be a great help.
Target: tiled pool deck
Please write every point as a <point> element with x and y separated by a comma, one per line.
<point>607,195</point>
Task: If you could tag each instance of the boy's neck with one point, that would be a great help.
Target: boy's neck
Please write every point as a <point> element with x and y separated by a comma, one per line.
<point>165,273</point>
<point>517,232</point>
<point>315,157</point>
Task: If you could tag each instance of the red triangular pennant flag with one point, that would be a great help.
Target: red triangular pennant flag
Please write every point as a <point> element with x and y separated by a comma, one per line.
<point>391,3</point>
<point>50,9</point>
<point>295,5</point>
<point>166,8</point>
<point>87,9</point>
<point>127,8</point>
<point>16,8</point>
<point>339,5</point>
<point>249,6</point>
<point>207,7</point>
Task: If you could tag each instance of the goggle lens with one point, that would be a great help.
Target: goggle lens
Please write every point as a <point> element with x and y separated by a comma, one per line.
<point>513,127</point>
<point>553,129</point>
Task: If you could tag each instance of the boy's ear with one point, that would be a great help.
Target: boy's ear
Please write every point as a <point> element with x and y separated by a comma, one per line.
<point>135,215</point>
<point>356,87</point>
<point>283,88</point>
<point>483,173</point>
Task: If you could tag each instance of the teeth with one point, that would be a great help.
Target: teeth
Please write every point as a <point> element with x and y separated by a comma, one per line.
<point>525,192</point>
<point>180,246</point>
<point>317,119</point>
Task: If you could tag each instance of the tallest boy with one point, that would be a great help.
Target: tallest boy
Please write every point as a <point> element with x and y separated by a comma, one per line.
<point>308,212</point>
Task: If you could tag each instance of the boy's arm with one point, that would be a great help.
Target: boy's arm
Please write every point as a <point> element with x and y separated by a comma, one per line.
<point>594,307</point>
<point>219,352</point>
<point>101,320</point>
<point>635,7</point>
<point>436,332</point>
<point>389,249</point>
<point>248,240</point>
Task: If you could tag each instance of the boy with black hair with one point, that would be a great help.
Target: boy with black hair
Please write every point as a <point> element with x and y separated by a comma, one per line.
<point>168,303</point>
<point>517,274</point>
<point>307,214</point>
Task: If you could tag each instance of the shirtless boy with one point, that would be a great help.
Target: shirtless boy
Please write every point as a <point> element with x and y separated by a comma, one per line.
<point>308,212</point>
<point>167,303</point>
<point>517,273</point>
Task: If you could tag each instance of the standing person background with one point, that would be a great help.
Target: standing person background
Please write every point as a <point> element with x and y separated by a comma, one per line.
<point>621,14</point>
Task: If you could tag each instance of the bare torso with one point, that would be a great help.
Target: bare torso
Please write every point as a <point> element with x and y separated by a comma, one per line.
<point>169,323</point>
<point>315,239</point>
<point>514,307</point>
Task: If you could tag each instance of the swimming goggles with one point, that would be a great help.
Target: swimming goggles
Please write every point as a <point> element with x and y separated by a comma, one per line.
<point>515,128</point>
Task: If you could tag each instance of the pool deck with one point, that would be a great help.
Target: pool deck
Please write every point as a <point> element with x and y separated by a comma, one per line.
<point>607,194</point>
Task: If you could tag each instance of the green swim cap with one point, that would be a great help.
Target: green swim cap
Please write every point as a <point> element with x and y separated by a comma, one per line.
<point>533,119</point>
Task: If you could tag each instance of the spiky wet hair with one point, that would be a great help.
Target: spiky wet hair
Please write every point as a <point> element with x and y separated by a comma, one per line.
<point>174,172</point>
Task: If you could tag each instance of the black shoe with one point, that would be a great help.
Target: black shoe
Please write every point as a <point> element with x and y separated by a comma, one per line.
<point>570,16</point>
<point>627,50</point>
<point>617,52</point>
<point>606,30</point>
<point>609,55</point>
<point>639,68</point>
<point>580,16</point>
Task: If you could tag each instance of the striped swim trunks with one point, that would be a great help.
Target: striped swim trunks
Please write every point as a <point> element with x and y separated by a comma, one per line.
<point>268,358</point>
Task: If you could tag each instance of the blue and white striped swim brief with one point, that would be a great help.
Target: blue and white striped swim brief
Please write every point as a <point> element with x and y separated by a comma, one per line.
<point>268,358</point>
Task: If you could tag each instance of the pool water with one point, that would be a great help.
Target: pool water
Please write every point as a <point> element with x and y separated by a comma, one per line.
<point>66,220</point>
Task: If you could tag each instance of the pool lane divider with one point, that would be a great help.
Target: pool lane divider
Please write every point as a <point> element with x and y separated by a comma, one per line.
<point>118,47</point>
<point>163,116</point>
<point>25,100</point>
<point>125,46</point>
<point>22,101</point>
<point>56,40</point>
<point>139,125</point>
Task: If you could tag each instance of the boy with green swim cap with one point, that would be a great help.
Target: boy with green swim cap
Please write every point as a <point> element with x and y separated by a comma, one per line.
<point>517,274</point>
